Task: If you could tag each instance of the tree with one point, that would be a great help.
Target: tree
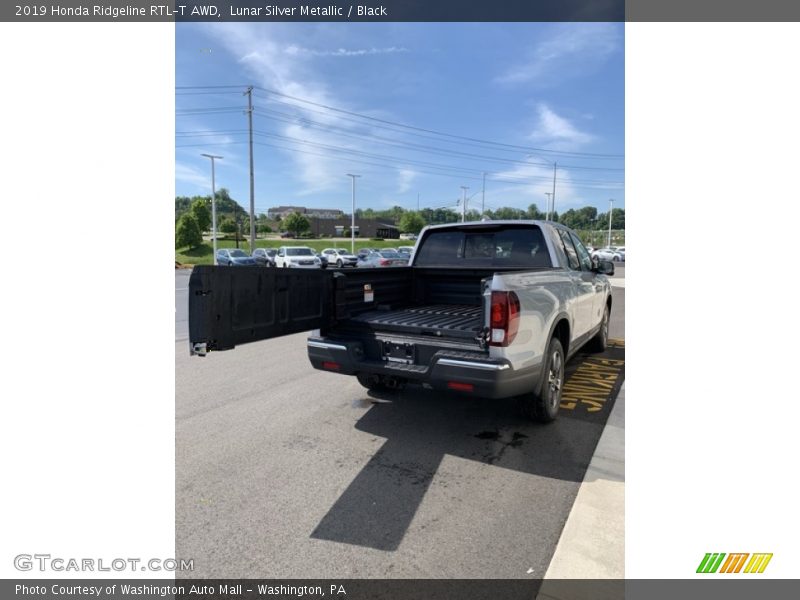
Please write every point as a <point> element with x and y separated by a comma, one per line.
<point>187,232</point>
<point>411,222</point>
<point>533,212</point>
<point>200,211</point>
<point>227,225</point>
<point>506,212</point>
<point>570,219</point>
<point>264,228</point>
<point>587,214</point>
<point>296,223</point>
<point>617,220</point>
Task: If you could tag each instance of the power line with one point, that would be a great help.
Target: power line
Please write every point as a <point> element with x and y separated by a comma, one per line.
<point>208,87</point>
<point>292,139</point>
<point>383,165</point>
<point>432,131</point>
<point>270,94</point>
<point>419,147</point>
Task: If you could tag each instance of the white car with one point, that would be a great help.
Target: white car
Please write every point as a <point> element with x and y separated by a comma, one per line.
<point>297,256</point>
<point>608,254</point>
<point>338,257</point>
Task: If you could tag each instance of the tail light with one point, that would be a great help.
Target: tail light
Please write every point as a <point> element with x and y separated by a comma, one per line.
<point>460,387</point>
<point>385,262</point>
<point>504,318</point>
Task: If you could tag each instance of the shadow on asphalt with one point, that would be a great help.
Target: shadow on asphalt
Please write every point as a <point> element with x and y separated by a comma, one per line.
<point>421,427</point>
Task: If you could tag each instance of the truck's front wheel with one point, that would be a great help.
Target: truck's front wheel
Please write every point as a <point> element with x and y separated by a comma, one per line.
<point>542,405</point>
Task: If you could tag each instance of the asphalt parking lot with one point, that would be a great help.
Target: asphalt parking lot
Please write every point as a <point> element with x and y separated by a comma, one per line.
<point>287,472</point>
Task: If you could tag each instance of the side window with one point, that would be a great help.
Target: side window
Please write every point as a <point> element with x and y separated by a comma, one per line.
<point>583,253</point>
<point>569,248</point>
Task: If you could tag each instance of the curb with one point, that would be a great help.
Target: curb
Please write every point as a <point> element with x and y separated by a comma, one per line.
<point>592,543</point>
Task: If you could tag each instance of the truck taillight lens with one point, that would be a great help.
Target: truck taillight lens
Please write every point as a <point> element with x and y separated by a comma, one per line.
<point>385,262</point>
<point>504,318</point>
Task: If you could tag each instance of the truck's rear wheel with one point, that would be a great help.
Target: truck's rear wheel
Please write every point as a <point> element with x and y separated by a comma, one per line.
<point>542,405</point>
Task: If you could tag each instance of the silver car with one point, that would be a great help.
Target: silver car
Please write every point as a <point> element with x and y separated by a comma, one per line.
<point>265,256</point>
<point>608,254</point>
<point>234,257</point>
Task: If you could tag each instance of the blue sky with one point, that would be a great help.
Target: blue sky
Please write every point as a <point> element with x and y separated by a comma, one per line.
<point>540,92</point>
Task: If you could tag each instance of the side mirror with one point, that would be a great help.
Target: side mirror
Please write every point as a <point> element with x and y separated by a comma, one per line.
<point>604,267</point>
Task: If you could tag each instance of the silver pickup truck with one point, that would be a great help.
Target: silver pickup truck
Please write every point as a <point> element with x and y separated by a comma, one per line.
<point>493,309</point>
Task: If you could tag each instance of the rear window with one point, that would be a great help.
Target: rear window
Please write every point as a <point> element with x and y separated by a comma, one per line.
<point>510,247</point>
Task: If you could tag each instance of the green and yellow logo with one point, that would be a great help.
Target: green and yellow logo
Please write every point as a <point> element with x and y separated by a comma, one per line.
<point>712,563</point>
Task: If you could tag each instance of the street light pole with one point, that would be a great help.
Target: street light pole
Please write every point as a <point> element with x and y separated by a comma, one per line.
<point>610,213</point>
<point>464,203</point>
<point>353,215</point>
<point>213,206</point>
<point>547,212</point>
<point>249,94</point>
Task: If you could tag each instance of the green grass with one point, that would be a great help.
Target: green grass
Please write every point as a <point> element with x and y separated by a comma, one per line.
<point>203,254</point>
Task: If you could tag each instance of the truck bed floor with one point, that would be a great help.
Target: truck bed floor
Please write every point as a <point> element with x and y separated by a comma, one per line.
<point>450,320</point>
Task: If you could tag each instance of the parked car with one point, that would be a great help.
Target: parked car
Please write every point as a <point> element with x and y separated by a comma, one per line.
<point>621,250</point>
<point>608,254</point>
<point>297,256</point>
<point>364,252</point>
<point>234,258</point>
<point>340,257</point>
<point>265,256</point>
<point>383,258</point>
<point>407,250</point>
<point>287,235</point>
<point>323,260</point>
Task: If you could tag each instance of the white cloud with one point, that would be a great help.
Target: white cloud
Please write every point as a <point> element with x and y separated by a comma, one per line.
<point>570,48</point>
<point>404,180</point>
<point>557,133</point>
<point>294,50</point>
<point>277,65</point>
<point>189,174</point>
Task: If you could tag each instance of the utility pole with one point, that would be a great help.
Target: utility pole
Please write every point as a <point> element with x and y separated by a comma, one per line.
<point>610,213</point>
<point>213,206</point>
<point>547,212</point>
<point>483,195</point>
<point>353,215</point>
<point>464,203</point>
<point>249,94</point>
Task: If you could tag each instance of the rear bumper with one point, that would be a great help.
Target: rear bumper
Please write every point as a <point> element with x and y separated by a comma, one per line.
<point>454,371</point>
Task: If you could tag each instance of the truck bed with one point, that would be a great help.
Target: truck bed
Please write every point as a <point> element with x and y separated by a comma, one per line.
<point>446,320</point>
